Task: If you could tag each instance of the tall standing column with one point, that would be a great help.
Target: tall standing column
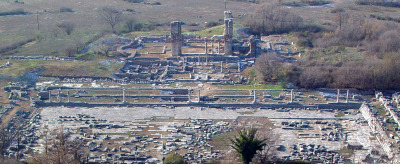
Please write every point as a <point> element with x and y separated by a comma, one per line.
<point>228,35</point>
<point>347,96</point>
<point>239,66</point>
<point>176,38</point>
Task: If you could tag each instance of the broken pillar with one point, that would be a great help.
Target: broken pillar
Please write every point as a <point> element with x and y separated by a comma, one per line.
<point>228,36</point>
<point>228,14</point>
<point>206,49</point>
<point>49,96</point>
<point>69,100</point>
<point>206,59</point>
<point>198,96</point>
<point>189,96</point>
<point>221,67</point>
<point>219,47</point>
<point>239,66</point>
<point>253,46</point>
<point>338,94</point>
<point>212,45</point>
<point>59,95</point>
<point>123,96</point>
<point>206,46</point>
<point>199,60</point>
<point>176,38</point>
<point>254,96</point>
<point>291,96</point>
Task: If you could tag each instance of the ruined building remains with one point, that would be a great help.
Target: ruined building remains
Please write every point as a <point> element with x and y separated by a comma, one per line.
<point>228,32</point>
<point>176,38</point>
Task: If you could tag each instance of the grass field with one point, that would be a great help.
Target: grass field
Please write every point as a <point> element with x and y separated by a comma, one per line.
<point>92,68</point>
<point>261,86</point>
<point>85,16</point>
<point>88,25</point>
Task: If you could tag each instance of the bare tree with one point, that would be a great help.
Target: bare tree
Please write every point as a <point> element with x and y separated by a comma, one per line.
<point>130,24</point>
<point>341,18</point>
<point>70,50</point>
<point>265,132</point>
<point>62,149</point>
<point>272,18</point>
<point>68,27</point>
<point>111,16</point>
<point>104,48</point>
<point>4,138</point>
<point>267,66</point>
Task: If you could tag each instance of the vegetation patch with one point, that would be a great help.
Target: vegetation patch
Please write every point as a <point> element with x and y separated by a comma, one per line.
<point>14,12</point>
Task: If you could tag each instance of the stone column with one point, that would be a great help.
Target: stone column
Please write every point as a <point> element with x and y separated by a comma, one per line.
<point>206,46</point>
<point>347,96</point>
<point>228,35</point>
<point>338,94</point>
<point>123,96</point>
<point>254,96</point>
<point>253,46</point>
<point>206,59</point>
<point>176,38</point>
<point>221,66</point>
<point>69,100</point>
<point>59,95</point>
<point>198,95</point>
<point>199,60</point>
<point>291,96</point>
<point>228,14</point>
<point>239,66</point>
<point>219,47</point>
<point>189,96</point>
<point>212,45</point>
<point>49,96</point>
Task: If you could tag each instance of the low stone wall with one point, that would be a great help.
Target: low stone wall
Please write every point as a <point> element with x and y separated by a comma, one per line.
<point>255,105</point>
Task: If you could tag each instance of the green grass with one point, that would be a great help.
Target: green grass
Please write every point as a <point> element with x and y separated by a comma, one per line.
<point>381,110</point>
<point>216,30</point>
<point>260,86</point>
<point>146,33</point>
<point>274,94</point>
<point>340,114</point>
<point>223,141</point>
<point>92,68</point>
<point>346,152</point>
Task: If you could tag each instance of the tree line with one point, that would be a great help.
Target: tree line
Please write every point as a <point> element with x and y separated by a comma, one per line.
<point>355,52</point>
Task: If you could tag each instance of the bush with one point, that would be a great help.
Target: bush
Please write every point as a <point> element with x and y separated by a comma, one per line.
<point>134,1</point>
<point>130,10</point>
<point>65,9</point>
<point>303,42</point>
<point>14,46</point>
<point>174,159</point>
<point>384,4</point>
<point>211,24</point>
<point>14,12</point>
